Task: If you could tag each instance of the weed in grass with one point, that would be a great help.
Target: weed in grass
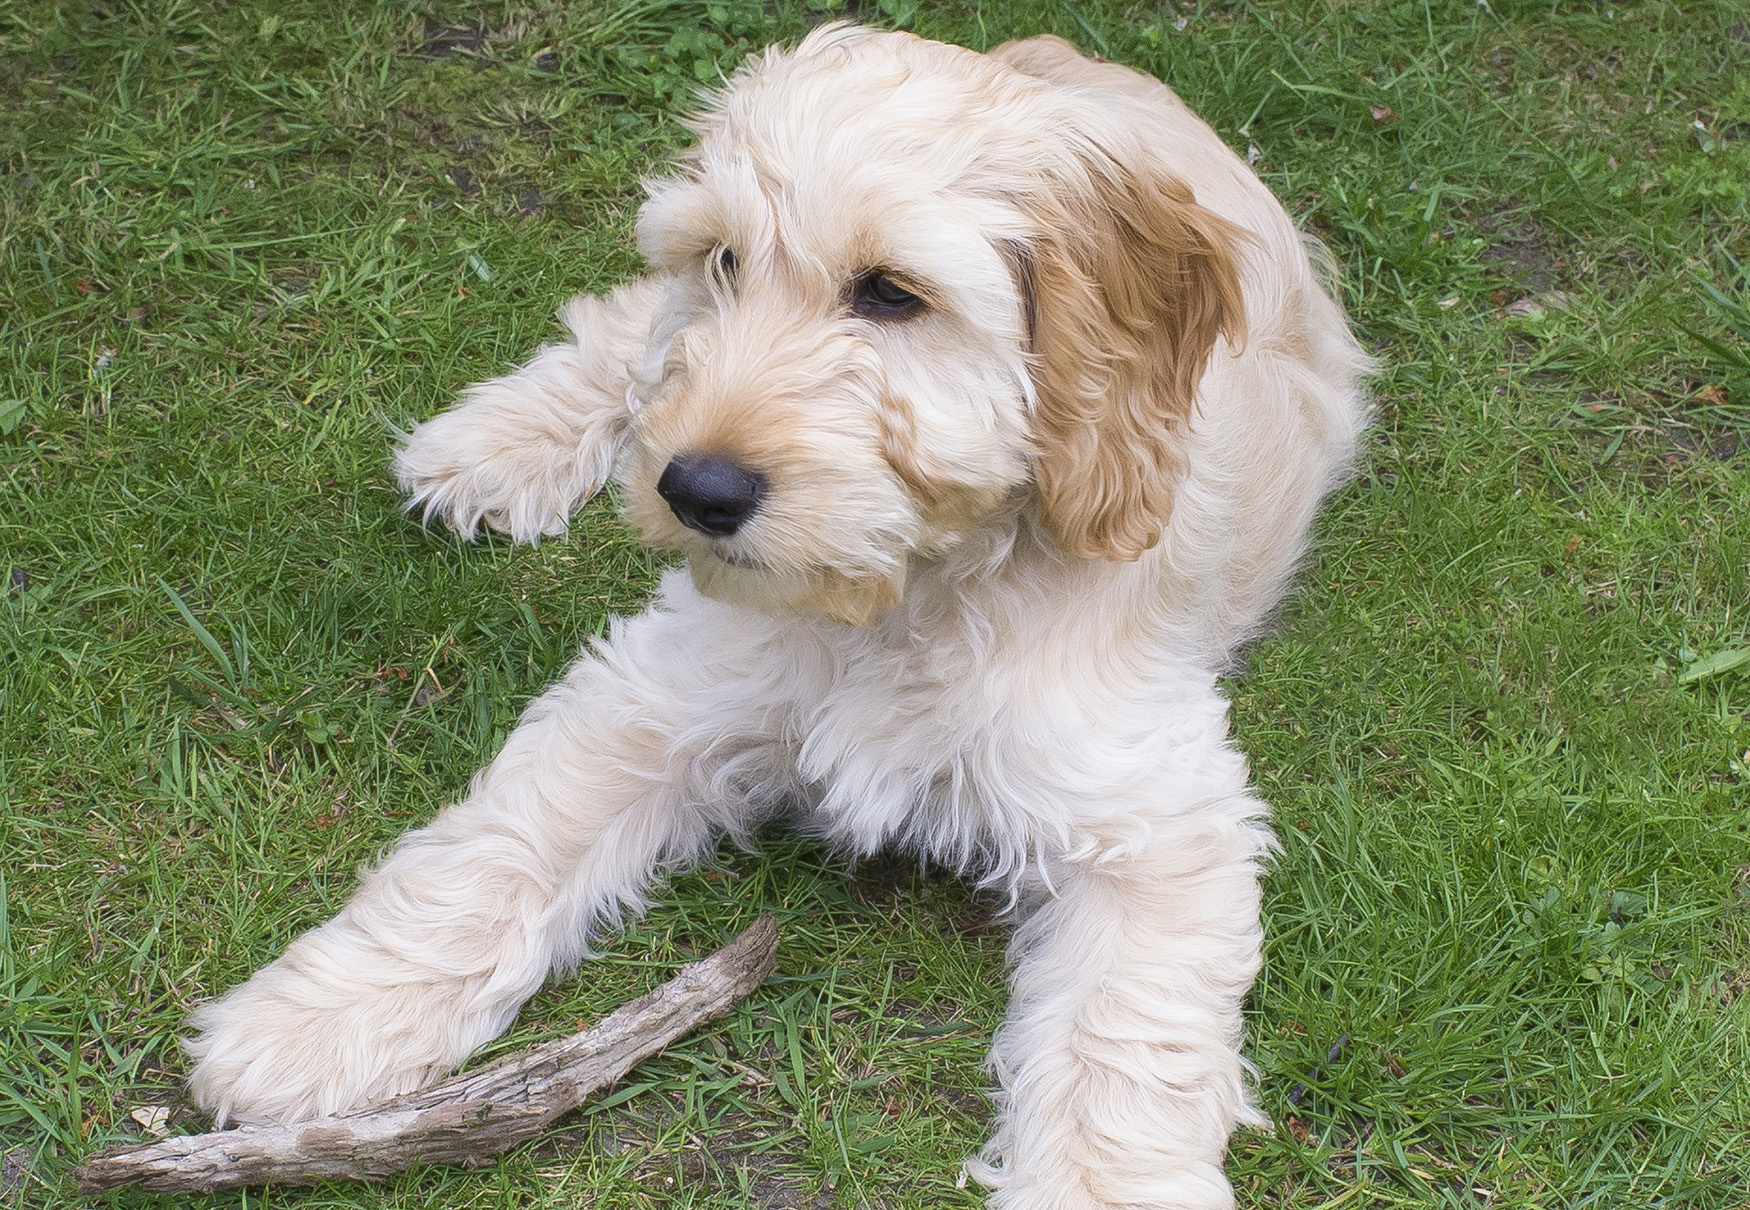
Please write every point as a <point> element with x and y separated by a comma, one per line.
<point>1502,725</point>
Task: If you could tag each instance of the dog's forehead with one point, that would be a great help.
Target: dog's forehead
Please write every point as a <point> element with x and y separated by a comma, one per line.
<point>859,145</point>
<point>869,110</point>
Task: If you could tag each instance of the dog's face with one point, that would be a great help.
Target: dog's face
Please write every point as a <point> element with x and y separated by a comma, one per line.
<point>912,290</point>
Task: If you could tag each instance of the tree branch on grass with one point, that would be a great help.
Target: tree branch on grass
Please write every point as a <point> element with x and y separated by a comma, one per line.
<point>467,1119</point>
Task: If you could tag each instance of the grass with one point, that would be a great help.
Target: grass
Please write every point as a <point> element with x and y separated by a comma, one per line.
<point>1504,723</point>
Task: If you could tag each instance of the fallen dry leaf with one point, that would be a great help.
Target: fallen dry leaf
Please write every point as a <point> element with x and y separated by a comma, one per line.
<point>1549,300</point>
<point>153,1119</point>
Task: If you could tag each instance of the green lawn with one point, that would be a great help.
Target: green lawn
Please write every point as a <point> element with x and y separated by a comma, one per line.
<point>1509,955</point>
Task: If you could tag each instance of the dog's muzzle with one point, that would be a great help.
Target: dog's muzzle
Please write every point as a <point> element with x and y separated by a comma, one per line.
<point>711,494</point>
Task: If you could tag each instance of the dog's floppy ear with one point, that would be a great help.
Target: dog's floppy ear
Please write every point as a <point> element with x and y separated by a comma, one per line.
<point>1129,284</point>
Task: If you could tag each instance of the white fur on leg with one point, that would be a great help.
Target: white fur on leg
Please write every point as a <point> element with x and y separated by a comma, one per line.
<point>432,956</point>
<point>520,452</point>
<point>1120,1061</point>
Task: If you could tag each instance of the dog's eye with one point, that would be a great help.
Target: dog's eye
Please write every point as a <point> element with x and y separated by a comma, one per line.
<point>878,296</point>
<point>726,264</point>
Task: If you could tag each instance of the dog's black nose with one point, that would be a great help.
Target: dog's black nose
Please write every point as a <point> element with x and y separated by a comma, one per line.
<point>711,494</point>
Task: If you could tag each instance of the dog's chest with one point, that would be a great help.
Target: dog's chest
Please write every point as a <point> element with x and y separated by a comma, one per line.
<point>901,745</point>
<point>988,753</point>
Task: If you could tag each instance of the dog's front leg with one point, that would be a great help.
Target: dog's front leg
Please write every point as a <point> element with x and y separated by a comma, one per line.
<point>598,787</point>
<point>1119,1063</point>
<point>518,453</point>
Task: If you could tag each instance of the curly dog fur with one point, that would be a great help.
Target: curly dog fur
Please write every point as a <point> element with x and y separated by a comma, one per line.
<point>990,399</point>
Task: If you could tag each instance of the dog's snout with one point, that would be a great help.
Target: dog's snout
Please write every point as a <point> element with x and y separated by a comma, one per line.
<point>711,494</point>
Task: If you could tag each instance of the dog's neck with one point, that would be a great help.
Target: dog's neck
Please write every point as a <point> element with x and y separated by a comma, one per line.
<point>989,586</point>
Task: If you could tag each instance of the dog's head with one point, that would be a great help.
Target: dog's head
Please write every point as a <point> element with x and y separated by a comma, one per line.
<point>910,289</point>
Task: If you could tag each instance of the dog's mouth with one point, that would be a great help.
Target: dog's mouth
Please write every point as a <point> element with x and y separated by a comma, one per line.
<point>724,567</point>
<point>734,558</point>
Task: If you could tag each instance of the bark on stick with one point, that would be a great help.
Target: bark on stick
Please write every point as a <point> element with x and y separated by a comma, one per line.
<point>467,1119</point>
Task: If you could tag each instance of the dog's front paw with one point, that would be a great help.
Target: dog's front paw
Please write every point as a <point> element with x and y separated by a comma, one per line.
<point>469,467</point>
<point>285,1047</point>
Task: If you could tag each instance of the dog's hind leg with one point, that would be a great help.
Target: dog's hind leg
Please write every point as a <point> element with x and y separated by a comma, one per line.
<point>518,453</point>
<point>634,763</point>
<point>1119,1063</point>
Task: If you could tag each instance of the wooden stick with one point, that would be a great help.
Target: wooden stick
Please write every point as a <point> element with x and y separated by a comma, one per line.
<point>466,1119</point>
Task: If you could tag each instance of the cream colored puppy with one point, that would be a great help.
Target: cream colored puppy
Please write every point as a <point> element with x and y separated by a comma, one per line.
<point>990,398</point>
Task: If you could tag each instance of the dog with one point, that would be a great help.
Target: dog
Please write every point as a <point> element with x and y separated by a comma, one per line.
<point>990,398</point>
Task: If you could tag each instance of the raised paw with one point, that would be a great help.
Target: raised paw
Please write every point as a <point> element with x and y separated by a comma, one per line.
<point>475,466</point>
